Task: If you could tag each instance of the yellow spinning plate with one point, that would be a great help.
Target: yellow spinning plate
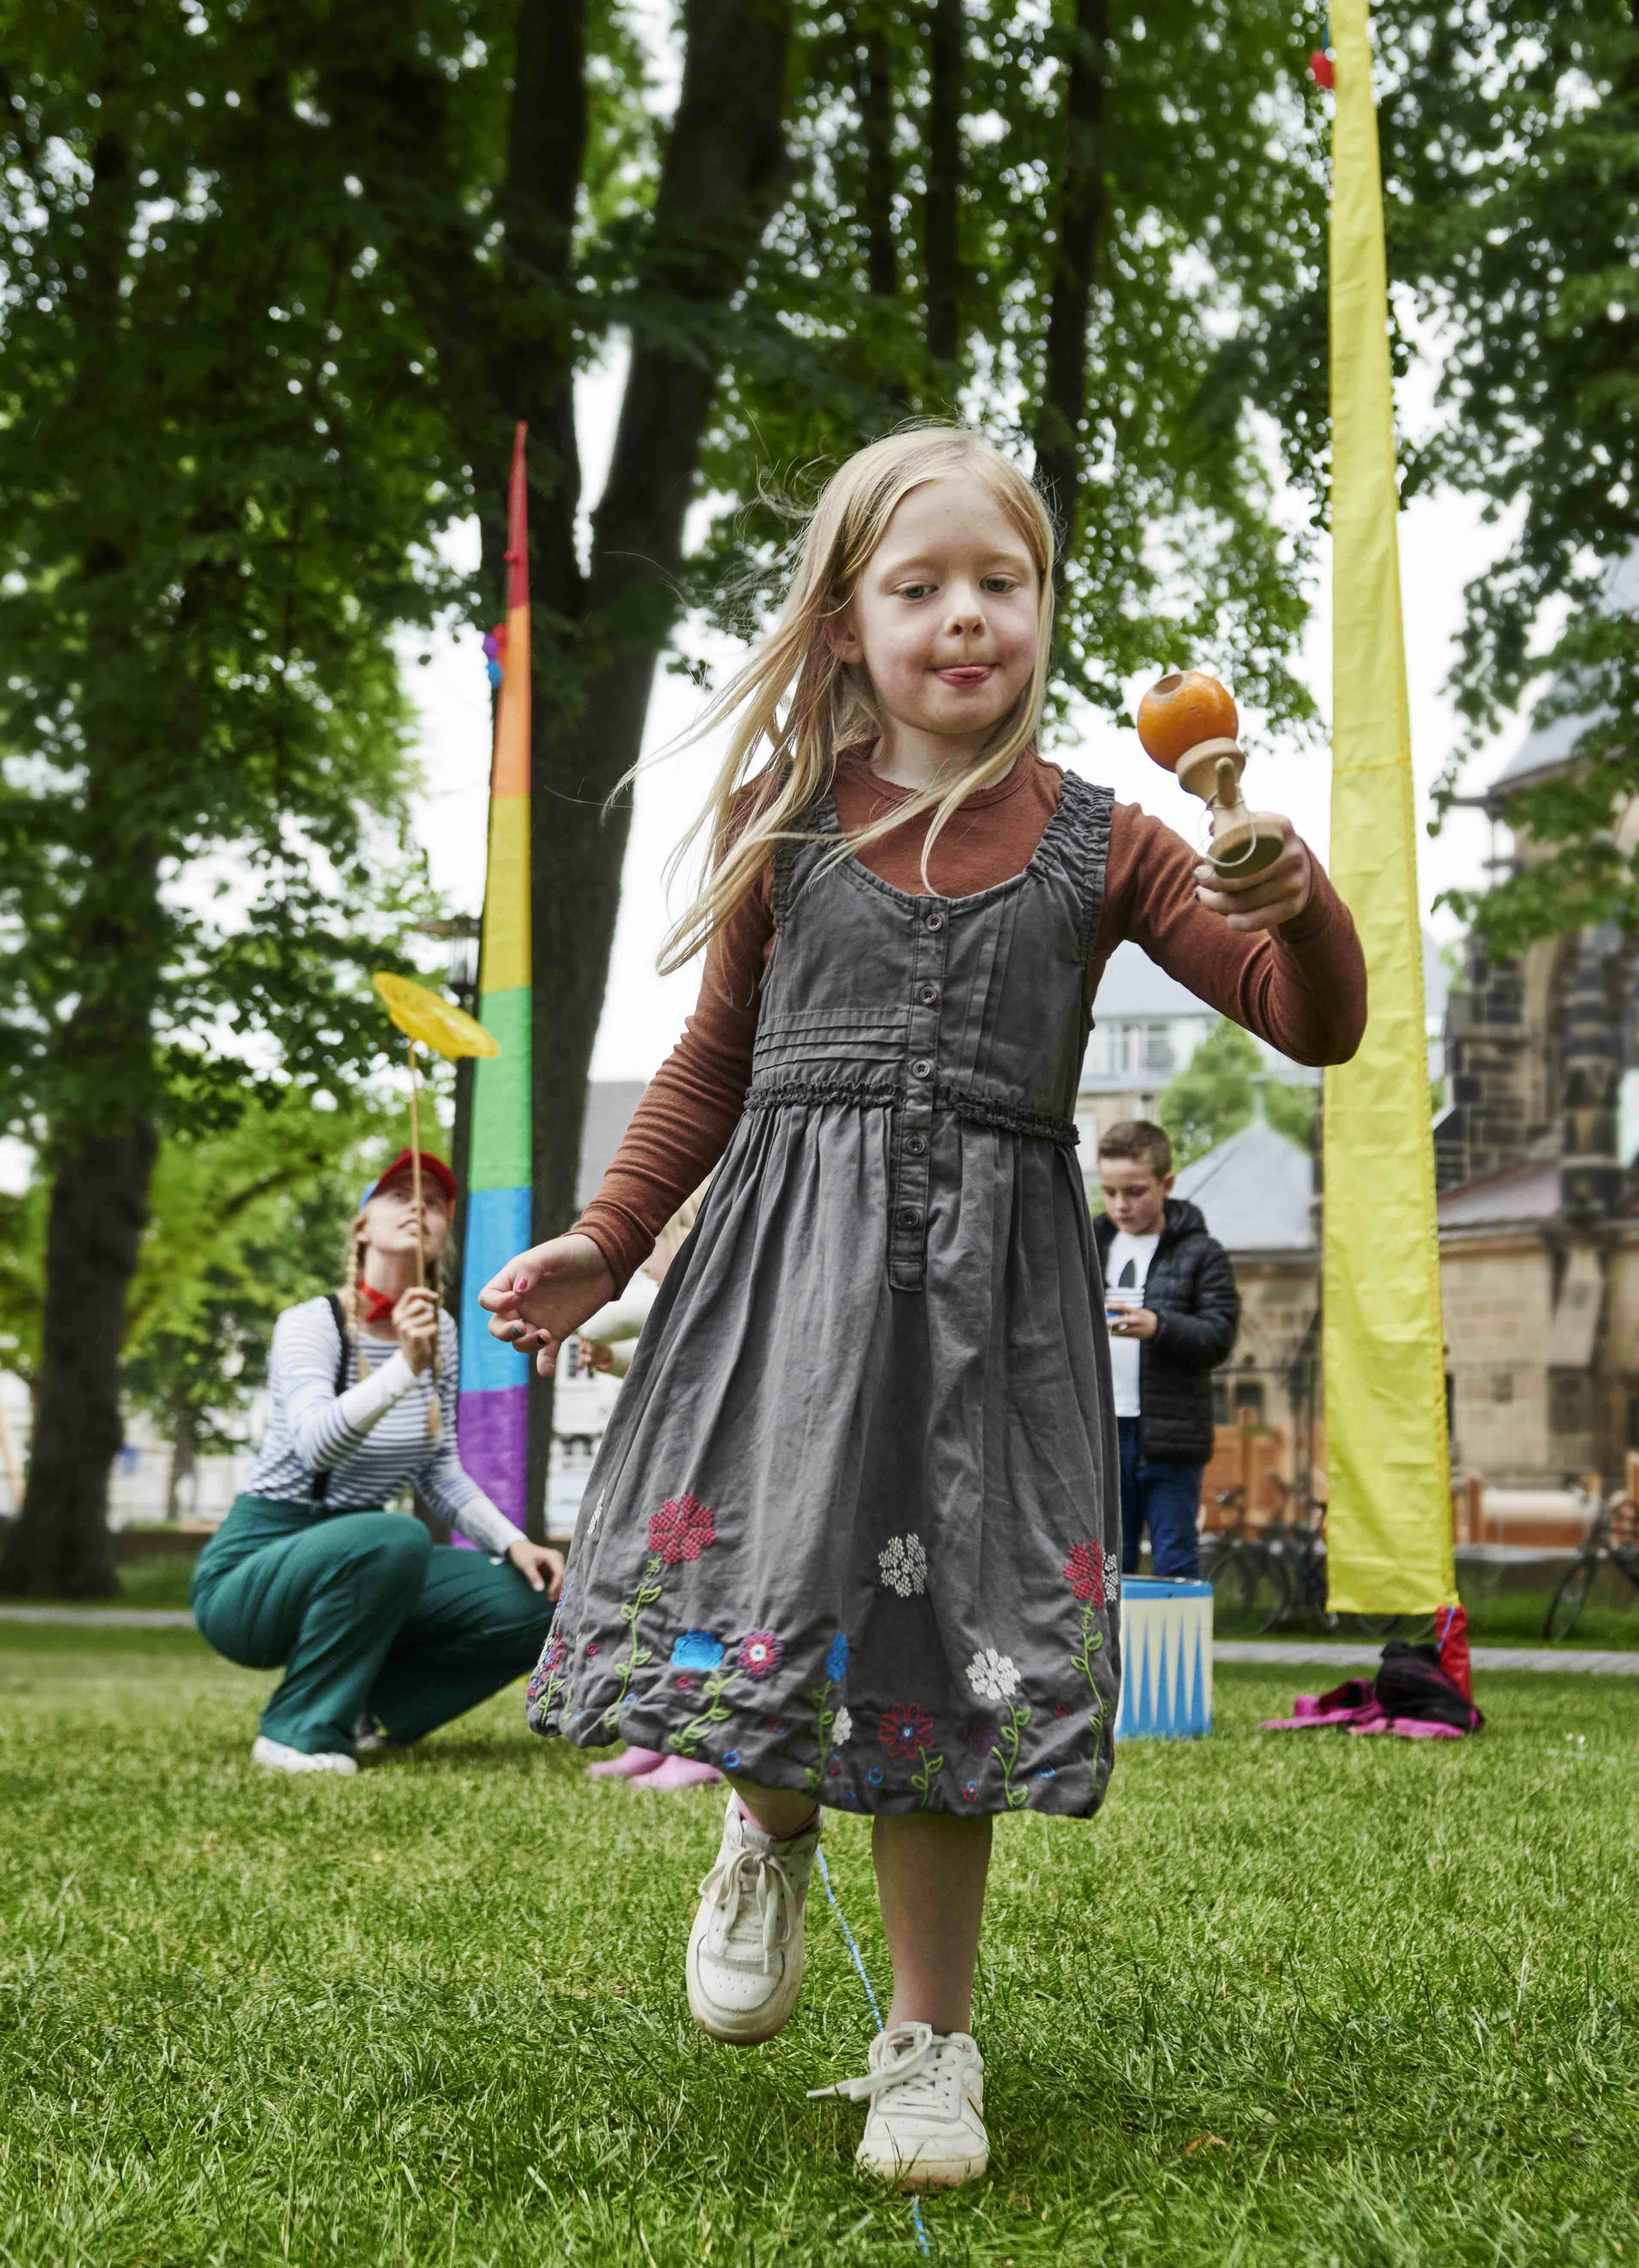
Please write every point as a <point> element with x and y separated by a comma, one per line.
<point>423,1015</point>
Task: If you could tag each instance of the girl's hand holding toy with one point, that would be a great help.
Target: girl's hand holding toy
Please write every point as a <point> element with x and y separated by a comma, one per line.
<point>1257,873</point>
<point>416,1319</point>
<point>542,1298</point>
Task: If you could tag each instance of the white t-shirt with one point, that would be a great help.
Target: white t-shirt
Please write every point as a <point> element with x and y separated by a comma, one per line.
<point>1127,1269</point>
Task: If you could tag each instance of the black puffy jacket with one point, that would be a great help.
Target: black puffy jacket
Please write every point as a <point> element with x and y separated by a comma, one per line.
<point>1191,1292</point>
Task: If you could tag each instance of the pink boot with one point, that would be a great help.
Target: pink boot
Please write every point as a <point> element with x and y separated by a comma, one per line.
<point>629,1765</point>
<point>680,1772</point>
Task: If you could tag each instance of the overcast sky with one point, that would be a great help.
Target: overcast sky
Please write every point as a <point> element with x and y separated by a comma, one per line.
<point>1442,546</point>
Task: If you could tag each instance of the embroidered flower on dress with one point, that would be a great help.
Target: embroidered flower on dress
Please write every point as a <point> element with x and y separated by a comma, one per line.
<point>760,1652</point>
<point>836,1660</point>
<point>592,1647</point>
<point>1112,1576</point>
<point>905,1730</point>
<point>982,1734</point>
<point>1084,1572</point>
<point>685,1685</point>
<point>969,1791</point>
<point>731,1757</point>
<point>681,1529</point>
<point>834,1768</point>
<point>993,1676</point>
<point>696,1649</point>
<point>904,1566</point>
<point>875,1775</point>
<point>1060,1708</point>
<point>774,1724</point>
<point>841,1733</point>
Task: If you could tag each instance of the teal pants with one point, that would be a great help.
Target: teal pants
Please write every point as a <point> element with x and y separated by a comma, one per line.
<point>363,1611</point>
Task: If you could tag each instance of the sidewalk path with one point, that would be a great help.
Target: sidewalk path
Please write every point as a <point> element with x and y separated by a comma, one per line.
<point>1272,1653</point>
<point>103,1617</point>
<point>1349,1656</point>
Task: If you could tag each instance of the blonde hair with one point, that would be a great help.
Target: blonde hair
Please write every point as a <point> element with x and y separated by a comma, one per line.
<point>797,704</point>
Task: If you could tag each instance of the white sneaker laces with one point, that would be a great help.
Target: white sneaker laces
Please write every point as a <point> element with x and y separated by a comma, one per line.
<point>755,1904</point>
<point>916,2066</point>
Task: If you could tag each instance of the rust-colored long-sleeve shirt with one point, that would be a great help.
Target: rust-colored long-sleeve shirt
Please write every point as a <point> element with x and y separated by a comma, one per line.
<point>1302,988</point>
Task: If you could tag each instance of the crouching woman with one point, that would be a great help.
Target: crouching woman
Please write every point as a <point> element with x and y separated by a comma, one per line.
<point>381,1633</point>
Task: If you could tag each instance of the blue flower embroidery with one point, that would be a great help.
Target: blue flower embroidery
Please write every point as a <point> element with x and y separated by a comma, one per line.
<point>850,1796</point>
<point>1048,1772</point>
<point>836,1660</point>
<point>696,1649</point>
<point>875,1775</point>
<point>731,1757</point>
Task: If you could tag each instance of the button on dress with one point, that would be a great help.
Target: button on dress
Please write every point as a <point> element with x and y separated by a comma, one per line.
<point>855,1527</point>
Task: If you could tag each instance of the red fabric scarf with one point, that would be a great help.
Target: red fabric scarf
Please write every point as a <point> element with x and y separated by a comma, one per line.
<point>373,1305</point>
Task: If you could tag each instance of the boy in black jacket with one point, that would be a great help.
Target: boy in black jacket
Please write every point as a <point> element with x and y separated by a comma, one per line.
<point>1172,1308</point>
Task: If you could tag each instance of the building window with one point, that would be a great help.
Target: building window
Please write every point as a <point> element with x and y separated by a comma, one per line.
<point>1249,1401</point>
<point>1157,1048</point>
<point>1220,1402</point>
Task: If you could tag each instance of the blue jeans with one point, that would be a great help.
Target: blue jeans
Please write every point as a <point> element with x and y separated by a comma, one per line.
<point>1166,1499</point>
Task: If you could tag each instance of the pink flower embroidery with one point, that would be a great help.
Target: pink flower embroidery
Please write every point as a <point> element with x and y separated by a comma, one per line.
<point>905,1730</point>
<point>592,1647</point>
<point>1084,1572</point>
<point>759,1650</point>
<point>681,1529</point>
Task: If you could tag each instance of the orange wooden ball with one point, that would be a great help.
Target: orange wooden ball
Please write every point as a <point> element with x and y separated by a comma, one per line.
<point>1180,711</point>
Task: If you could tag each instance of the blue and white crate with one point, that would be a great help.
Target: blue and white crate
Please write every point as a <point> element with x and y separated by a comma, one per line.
<point>1166,1660</point>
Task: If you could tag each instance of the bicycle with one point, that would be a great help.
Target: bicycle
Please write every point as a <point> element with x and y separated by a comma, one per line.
<point>1612,1541</point>
<point>1251,1588</point>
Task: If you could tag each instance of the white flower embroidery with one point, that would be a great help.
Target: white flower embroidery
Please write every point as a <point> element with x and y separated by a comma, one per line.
<point>842,1728</point>
<point>597,1513</point>
<point>993,1676</point>
<point>904,1566</point>
<point>1113,1578</point>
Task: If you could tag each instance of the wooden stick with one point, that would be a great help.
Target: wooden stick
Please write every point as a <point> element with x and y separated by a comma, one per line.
<point>415,1164</point>
<point>435,1421</point>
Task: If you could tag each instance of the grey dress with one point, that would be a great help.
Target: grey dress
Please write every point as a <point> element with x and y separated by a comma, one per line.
<point>854,1526</point>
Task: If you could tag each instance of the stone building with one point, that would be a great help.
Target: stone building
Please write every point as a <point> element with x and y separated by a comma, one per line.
<point>1534,1160</point>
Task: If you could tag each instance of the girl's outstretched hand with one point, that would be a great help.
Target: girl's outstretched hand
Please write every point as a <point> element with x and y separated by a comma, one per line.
<point>1264,900</point>
<point>539,1299</point>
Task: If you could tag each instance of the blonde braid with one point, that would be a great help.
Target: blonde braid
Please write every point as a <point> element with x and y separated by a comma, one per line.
<point>349,1300</point>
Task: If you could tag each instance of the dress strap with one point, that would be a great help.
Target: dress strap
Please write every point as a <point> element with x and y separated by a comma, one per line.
<point>814,826</point>
<point>1087,811</point>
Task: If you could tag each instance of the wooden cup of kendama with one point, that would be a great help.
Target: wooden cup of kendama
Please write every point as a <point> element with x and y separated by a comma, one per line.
<point>1186,724</point>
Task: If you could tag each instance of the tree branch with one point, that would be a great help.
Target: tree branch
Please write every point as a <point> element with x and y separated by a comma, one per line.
<point>941,231</point>
<point>1079,221</point>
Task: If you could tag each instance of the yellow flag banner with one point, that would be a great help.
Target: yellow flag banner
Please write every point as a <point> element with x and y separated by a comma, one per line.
<point>1389,1525</point>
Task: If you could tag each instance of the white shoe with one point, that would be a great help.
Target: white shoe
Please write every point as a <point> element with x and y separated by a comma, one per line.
<point>926,2121</point>
<point>745,1950</point>
<point>278,1757</point>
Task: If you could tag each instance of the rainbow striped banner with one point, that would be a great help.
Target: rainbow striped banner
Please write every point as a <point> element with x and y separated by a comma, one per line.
<point>494,1380</point>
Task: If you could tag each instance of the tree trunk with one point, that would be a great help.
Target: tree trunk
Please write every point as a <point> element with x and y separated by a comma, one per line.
<point>1079,219</point>
<point>596,656</point>
<point>874,60</point>
<point>941,219</point>
<point>184,1465</point>
<point>60,1547</point>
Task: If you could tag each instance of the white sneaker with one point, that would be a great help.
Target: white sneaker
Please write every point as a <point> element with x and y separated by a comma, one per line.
<point>926,2121</point>
<point>745,1950</point>
<point>278,1757</point>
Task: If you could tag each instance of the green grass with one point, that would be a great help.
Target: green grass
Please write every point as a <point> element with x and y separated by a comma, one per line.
<point>1291,1999</point>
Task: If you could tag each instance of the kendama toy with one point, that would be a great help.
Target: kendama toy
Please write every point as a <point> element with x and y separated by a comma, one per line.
<point>1186,724</point>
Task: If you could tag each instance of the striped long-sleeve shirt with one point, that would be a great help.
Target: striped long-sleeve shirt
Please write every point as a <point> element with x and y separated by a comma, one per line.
<point>371,1437</point>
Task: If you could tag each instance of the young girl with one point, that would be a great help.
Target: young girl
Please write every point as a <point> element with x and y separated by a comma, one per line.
<point>852,1534</point>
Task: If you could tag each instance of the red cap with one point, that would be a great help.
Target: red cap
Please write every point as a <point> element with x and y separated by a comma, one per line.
<point>432,1169</point>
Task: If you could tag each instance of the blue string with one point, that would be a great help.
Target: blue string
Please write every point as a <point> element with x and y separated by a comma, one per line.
<point>849,1939</point>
